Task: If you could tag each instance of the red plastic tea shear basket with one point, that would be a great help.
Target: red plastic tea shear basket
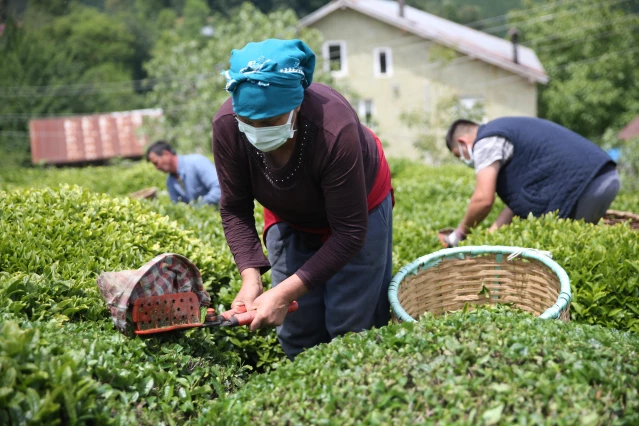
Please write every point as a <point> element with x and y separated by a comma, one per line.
<point>178,311</point>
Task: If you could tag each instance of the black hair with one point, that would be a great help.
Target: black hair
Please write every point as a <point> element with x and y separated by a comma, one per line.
<point>158,148</point>
<point>455,129</point>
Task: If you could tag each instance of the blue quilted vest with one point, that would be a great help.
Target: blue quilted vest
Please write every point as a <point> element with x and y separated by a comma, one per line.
<point>550,168</point>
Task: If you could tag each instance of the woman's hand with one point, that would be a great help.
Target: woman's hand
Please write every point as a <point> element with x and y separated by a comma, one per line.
<point>251,289</point>
<point>272,306</point>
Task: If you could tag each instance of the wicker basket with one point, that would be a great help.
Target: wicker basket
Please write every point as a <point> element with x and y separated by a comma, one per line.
<point>449,279</point>
<point>613,217</point>
<point>146,193</point>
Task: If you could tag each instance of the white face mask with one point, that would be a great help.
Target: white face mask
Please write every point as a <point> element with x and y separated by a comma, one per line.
<point>268,138</point>
<point>470,161</point>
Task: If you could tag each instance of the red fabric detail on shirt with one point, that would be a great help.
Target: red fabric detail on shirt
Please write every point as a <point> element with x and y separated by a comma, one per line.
<point>381,187</point>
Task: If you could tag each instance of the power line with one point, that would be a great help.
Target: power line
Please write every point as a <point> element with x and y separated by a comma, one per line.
<point>20,116</point>
<point>432,66</point>
<point>26,116</point>
<point>520,11</point>
<point>429,66</point>
<point>627,17</point>
<point>26,136</point>
<point>555,46</point>
<point>487,30</point>
<point>202,76</point>
<point>479,84</point>
<point>125,86</point>
<point>87,89</point>
<point>523,24</point>
<point>467,58</point>
<point>557,67</point>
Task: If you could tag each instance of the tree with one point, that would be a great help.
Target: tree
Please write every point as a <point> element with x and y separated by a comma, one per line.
<point>433,126</point>
<point>53,7</point>
<point>93,38</point>
<point>301,7</point>
<point>190,88</point>
<point>589,49</point>
<point>79,62</point>
<point>195,16</point>
<point>146,20</point>
<point>448,9</point>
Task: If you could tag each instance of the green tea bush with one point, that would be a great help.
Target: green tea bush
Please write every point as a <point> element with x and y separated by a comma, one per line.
<point>427,200</point>
<point>64,238</point>
<point>58,239</point>
<point>490,366</point>
<point>120,179</point>
<point>626,201</point>
<point>42,297</point>
<point>79,235</point>
<point>87,373</point>
<point>601,261</point>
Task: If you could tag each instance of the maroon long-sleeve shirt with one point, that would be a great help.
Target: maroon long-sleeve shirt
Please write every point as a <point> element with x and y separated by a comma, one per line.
<point>324,183</point>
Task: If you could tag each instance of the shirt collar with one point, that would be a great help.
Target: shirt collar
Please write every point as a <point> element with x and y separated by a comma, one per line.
<point>180,166</point>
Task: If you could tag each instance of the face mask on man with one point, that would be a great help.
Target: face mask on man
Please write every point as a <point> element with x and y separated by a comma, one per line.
<point>268,138</point>
<point>470,161</point>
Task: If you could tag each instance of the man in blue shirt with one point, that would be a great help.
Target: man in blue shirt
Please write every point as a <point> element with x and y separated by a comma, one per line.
<point>191,178</point>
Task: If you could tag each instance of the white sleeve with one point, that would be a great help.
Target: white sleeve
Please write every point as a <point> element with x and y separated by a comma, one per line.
<point>491,149</point>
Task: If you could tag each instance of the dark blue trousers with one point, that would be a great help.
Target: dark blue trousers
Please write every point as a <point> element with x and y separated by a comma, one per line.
<point>354,299</point>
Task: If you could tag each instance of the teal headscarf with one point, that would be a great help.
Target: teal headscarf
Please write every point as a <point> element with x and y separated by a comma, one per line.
<point>268,78</point>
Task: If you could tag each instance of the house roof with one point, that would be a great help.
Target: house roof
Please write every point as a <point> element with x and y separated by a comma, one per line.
<point>474,43</point>
<point>630,131</point>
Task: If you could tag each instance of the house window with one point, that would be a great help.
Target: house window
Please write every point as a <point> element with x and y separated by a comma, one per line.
<point>472,108</point>
<point>335,57</point>
<point>469,102</point>
<point>383,57</point>
<point>366,111</point>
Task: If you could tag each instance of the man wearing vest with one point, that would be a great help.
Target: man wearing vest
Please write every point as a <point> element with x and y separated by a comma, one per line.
<point>535,166</point>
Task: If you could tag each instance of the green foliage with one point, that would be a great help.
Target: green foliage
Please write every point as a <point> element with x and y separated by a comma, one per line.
<point>601,262</point>
<point>449,9</point>
<point>434,125</point>
<point>190,104</point>
<point>86,28</point>
<point>53,7</point>
<point>301,7</point>
<point>195,14</point>
<point>79,62</point>
<point>589,49</point>
<point>44,296</point>
<point>72,235</point>
<point>122,179</point>
<point>491,366</point>
<point>80,235</point>
<point>520,369</point>
<point>629,164</point>
<point>428,199</point>
<point>146,20</point>
<point>68,236</point>
<point>57,373</point>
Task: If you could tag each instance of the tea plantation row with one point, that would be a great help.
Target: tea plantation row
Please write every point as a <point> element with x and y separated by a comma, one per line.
<point>62,362</point>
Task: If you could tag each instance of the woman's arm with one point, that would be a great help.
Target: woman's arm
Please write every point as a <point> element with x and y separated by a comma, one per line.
<point>236,202</point>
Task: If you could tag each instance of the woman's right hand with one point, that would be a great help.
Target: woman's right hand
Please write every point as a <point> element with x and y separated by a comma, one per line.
<point>251,288</point>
